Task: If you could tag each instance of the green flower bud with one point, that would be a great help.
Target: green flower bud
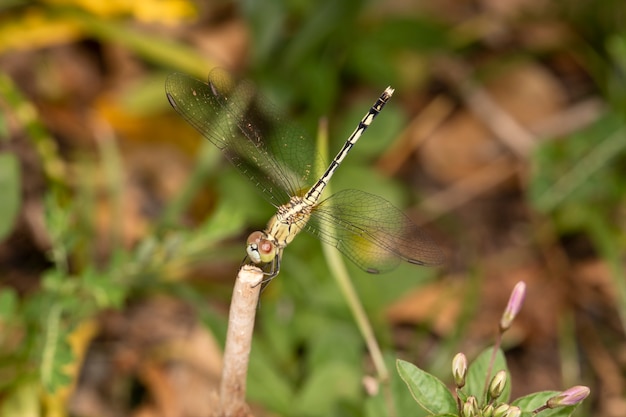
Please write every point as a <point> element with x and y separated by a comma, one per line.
<point>497,384</point>
<point>470,407</point>
<point>459,369</point>
<point>513,412</point>
<point>501,410</point>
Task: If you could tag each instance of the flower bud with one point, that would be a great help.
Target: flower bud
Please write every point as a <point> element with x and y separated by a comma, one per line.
<point>470,407</point>
<point>371,385</point>
<point>497,384</point>
<point>514,305</point>
<point>488,411</point>
<point>501,410</point>
<point>571,396</point>
<point>513,411</point>
<point>459,369</point>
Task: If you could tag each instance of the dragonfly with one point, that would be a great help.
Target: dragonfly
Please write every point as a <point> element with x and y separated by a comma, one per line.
<point>280,161</point>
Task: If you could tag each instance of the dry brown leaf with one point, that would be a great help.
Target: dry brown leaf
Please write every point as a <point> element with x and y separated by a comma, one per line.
<point>161,344</point>
<point>227,44</point>
<point>527,92</point>
<point>437,304</point>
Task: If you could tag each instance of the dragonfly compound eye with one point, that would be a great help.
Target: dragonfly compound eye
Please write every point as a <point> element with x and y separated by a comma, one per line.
<point>260,249</point>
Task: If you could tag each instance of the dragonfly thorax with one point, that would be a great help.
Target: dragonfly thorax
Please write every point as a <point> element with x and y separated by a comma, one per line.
<point>288,221</point>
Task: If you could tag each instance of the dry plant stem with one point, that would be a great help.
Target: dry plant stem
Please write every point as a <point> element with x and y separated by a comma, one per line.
<point>340,273</point>
<point>573,118</point>
<point>338,268</point>
<point>517,138</point>
<point>494,352</point>
<point>604,364</point>
<point>489,176</point>
<point>505,127</point>
<point>468,188</point>
<point>243,309</point>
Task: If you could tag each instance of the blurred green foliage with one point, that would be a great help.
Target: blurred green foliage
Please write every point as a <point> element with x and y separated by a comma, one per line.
<point>307,358</point>
<point>10,185</point>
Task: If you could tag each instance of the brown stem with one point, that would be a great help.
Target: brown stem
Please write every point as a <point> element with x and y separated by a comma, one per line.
<point>243,309</point>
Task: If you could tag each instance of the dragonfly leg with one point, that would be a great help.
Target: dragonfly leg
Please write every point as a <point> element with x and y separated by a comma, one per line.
<point>274,269</point>
<point>270,270</point>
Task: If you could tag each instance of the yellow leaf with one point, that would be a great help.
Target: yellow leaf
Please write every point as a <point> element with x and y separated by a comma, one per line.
<point>34,29</point>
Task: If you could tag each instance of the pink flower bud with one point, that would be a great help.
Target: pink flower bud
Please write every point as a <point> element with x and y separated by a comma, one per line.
<point>571,396</point>
<point>514,305</point>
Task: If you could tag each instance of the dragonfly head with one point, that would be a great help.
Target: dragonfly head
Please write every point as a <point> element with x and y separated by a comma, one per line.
<point>260,249</point>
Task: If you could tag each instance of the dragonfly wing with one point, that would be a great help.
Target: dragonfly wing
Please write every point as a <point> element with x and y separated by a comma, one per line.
<point>271,153</point>
<point>372,232</point>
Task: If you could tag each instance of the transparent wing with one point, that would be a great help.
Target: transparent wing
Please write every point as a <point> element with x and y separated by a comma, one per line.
<point>371,232</point>
<point>273,154</point>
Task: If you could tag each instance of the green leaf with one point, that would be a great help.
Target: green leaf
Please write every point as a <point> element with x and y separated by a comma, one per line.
<point>225,222</point>
<point>106,292</point>
<point>428,391</point>
<point>4,128</point>
<point>10,185</point>
<point>328,385</point>
<point>337,343</point>
<point>23,399</point>
<point>400,403</point>
<point>583,168</point>
<point>533,401</point>
<point>421,34</point>
<point>265,20</point>
<point>322,22</point>
<point>267,383</point>
<point>8,303</point>
<point>56,353</point>
<point>477,372</point>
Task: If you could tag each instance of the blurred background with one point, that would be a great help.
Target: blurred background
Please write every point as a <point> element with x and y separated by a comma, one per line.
<point>122,229</point>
